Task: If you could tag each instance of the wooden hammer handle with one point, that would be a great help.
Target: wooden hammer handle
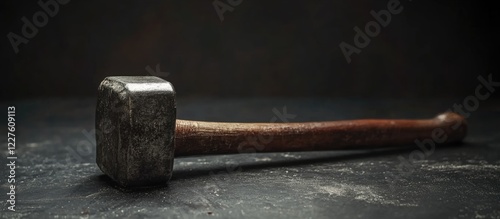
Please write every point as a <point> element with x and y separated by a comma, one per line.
<point>203,138</point>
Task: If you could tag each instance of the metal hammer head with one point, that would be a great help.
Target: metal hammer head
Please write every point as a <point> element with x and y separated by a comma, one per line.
<point>135,127</point>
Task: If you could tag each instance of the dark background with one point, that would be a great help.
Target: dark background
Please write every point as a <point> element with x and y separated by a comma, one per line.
<point>262,48</point>
<point>266,56</point>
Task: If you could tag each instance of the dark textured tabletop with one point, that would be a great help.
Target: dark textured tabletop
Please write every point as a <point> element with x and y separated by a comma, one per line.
<point>56,173</point>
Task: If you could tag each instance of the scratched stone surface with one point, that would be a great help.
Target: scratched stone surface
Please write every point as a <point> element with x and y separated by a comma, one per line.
<point>57,175</point>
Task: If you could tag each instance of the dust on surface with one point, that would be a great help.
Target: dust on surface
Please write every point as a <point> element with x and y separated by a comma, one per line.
<point>362,193</point>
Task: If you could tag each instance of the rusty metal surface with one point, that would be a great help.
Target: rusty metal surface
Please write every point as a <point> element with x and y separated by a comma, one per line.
<point>135,122</point>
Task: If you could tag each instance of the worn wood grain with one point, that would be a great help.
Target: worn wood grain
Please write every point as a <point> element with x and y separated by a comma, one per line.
<point>203,138</point>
